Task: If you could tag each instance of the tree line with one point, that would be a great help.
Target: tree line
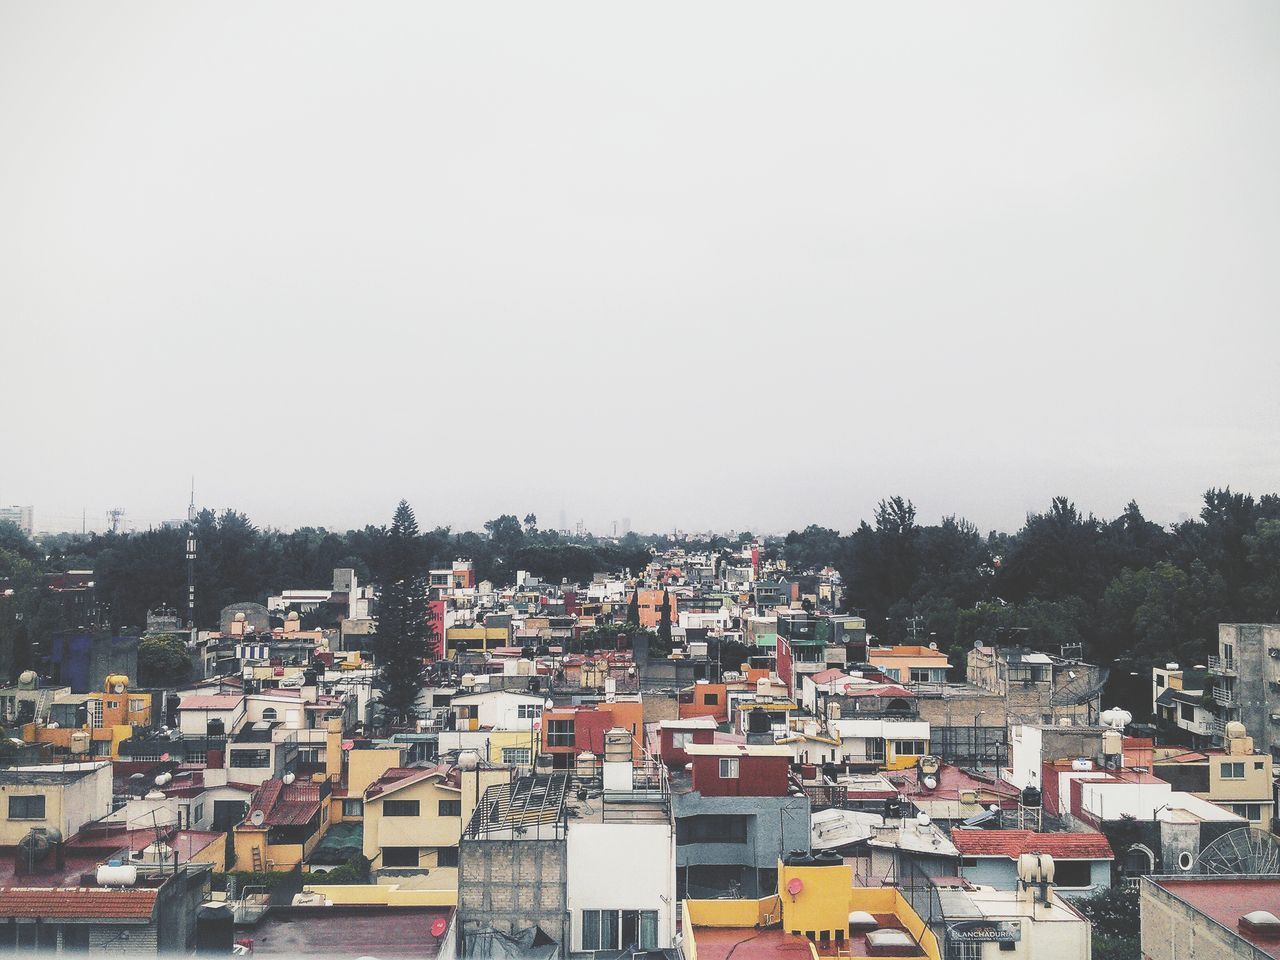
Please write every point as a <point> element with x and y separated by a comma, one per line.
<point>1126,586</point>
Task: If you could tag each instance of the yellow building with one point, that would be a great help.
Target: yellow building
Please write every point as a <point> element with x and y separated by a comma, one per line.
<point>93,724</point>
<point>414,817</point>
<point>817,914</point>
<point>284,823</point>
<point>475,637</point>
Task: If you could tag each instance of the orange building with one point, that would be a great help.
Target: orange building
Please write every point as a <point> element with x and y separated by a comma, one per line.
<point>569,731</point>
<point>910,664</point>
<point>705,700</point>
<point>650,604</point>
<point>109,718</point>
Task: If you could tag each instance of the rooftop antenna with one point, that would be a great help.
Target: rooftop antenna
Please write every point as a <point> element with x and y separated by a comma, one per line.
<point>191,561</point>
<point>115,519</point>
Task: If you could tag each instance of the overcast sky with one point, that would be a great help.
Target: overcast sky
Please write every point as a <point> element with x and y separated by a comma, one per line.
<point>713,265</point>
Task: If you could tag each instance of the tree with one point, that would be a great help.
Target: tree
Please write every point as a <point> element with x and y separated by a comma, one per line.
<point>1114,916</point>
<point>163,661</point>
<point>633,608</point>
<point>664,623</point>
<point>401,641</point>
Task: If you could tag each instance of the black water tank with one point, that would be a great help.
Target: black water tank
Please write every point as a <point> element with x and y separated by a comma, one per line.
<point>893,809</point>
<point>82,714</point>
<point>1030,797</point>
<point>827,858</point>
<point>171,702</point>
<point>215,728</point>
<point>309,677</point>
<point>758,721</point>
<point>215,931</point>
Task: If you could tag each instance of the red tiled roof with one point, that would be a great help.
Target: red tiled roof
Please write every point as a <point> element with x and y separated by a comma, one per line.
<point>1011,843</point>
<point>67,903</point>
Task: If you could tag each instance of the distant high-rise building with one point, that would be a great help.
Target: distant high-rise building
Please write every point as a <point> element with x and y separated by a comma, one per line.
<point>626,525</point>
<point>21,517</point>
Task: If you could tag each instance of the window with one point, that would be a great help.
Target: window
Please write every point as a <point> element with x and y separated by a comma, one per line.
<point>619,929</point>
<point>448,808</point>
<point>966,951</point>
<point>250,758</point>
<point>353,808</point>
<point>1250,811</point>
<point>728,768</point>
<point>137,704</point>
<point>681,739</point>
<point>1187,711</point>
<point>1232,771</point>
<point>517,756</point>
<point>1072,873</point>
<point>711,699</point>
<point>529,711</point>
<point>269,714</point>
<point>400,808</point>
<point>446,856</point>
<point>921,675</point>
<point>914,748</point>
<point>711,828</point>
<point>198,814</point>
<point>1159,679</point>
<point>968,861</point>
<point>399,856</point>
<point>26,808</point>
<point>559,733</point>
<point>309,756</point>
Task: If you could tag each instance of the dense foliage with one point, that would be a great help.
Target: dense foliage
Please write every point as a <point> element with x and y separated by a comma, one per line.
<point>401,641</point>
<point>1114,915</point>
<point>1127,586</point>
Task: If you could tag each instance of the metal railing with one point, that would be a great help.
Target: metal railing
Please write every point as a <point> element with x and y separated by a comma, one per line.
<point>1224,696</point>
<point>1222,665</point>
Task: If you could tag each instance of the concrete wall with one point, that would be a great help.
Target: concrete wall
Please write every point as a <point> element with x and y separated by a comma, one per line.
<point>1172,930</point>
<point>510,885</point>
<point>775,826</point>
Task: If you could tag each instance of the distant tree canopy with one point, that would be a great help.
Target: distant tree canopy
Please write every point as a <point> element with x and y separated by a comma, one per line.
<point>163,661</point>
<point>1126,585</point>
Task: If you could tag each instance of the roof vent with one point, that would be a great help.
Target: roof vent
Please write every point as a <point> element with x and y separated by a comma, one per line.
<point>1262,922</point>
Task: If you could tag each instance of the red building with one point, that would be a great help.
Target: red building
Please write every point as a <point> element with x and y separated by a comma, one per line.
<point>739,769</point>
<point>569,731</point>
<point>675,735</point>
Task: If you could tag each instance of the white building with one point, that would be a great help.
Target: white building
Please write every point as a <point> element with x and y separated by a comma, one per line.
<point>986,924</point>
<point>21,517</point>
<point>621,885</point>
<point>497,710</point>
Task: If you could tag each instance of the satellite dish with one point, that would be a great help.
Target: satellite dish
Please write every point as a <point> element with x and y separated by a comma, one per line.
<point>795,885</point>
<point>257,818</point>
<point>1243,851</point>
<point>439,926</point>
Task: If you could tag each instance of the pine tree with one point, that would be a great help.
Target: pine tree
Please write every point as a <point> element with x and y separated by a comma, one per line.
<point>401,642</point>
<point>633,608</point>
<point>664,622</point>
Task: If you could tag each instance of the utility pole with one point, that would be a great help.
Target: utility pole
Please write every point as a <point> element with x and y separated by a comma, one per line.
<point>191,561</point>
<point>913,627</point>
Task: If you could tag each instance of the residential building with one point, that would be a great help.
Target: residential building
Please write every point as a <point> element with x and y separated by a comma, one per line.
<point>572,730</point>
<point>649,603</point>
<point>821,915</point>
<point>61,797</point>
<point>286,820</point>
<point>1038,687</point>
<point>93,724</point>
<point>1246,686</point>
<point>1215,917</point>
<point>1237,778</point>
<point>910,663</point>
<point>1181,705</point>
<point>734,812</point>
<point>989,858</point>
<point>413,819</point>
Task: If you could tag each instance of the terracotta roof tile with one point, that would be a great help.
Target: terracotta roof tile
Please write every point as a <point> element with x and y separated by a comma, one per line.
<point>1011,843</point>
<point>68,903</point>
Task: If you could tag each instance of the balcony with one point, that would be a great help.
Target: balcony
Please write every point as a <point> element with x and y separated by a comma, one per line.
<point>1226,667</point>
<point>1219,729</point>
<point>1224,697</point>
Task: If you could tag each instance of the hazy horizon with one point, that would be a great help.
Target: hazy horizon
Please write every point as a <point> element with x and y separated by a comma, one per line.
<point>724,266</point>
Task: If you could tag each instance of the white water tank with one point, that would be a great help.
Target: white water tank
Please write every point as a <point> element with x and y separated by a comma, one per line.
<point>116,874</point>
<point>468,760</point>
<point>1081,764</point>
